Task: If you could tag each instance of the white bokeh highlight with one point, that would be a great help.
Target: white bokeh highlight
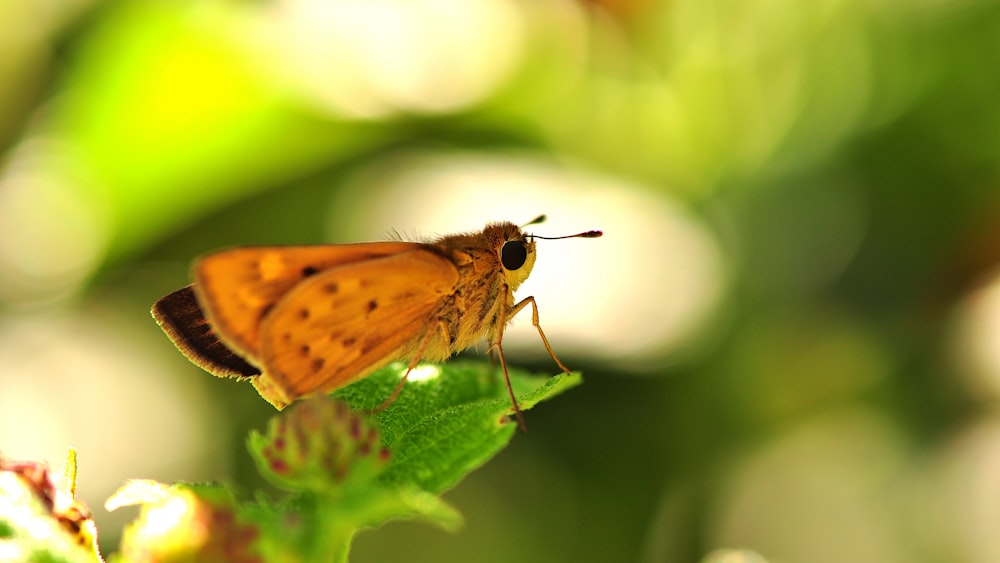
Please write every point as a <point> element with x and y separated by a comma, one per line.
<point>974,334</point>
<point>372,58</point>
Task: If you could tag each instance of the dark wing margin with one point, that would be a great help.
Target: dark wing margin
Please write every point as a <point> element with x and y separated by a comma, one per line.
<point>182,319</point>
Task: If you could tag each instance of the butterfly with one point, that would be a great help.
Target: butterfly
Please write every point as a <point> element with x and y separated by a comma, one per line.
<point>303,319</point>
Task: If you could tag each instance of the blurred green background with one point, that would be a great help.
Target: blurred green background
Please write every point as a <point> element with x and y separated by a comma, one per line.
<point>790,332</point>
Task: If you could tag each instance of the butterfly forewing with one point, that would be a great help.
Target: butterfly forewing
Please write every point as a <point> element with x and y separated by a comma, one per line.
<point>239,286</point>
<point>341,324</point>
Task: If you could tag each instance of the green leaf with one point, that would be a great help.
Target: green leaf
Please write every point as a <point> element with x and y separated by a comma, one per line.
<point>316,526</point>
<point>449,419</point>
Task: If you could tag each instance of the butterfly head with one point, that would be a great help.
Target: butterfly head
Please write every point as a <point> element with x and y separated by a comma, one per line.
<point>516,250</point>
<point>517,257</point>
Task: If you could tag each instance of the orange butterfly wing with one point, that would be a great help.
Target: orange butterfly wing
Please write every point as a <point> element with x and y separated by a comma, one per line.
<point>237,287</point>
<point>341,324</point>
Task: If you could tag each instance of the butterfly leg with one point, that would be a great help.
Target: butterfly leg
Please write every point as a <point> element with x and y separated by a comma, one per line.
<point>417,356</point>
<point>502,317</point>
<point>534,321</point>
<point>505,315</point>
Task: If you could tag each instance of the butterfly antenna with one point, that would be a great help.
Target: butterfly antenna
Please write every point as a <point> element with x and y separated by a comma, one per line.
<point>542,218</point>
<point>586,234</point>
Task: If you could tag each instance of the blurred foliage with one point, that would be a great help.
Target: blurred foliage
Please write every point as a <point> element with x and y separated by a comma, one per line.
<point>40,521</point>
<point>837,403</point>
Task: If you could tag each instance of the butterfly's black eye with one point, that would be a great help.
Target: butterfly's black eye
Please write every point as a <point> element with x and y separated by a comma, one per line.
<point>513,254</point>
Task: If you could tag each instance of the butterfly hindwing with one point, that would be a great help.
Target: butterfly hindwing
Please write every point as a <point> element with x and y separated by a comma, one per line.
<point>181,318</point>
